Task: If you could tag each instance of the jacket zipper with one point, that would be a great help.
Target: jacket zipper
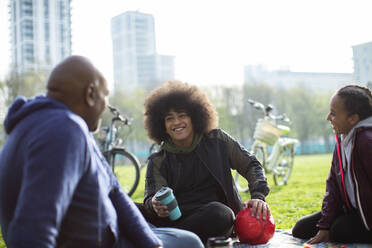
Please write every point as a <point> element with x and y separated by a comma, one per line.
<point>357,195</point>
<point>215,177</point>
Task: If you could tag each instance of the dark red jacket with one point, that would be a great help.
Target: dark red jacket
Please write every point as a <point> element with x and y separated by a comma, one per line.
<point>334,202</point>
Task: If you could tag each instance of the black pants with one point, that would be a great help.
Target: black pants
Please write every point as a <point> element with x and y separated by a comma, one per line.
<point>345,229</point>
<point>210,220</point>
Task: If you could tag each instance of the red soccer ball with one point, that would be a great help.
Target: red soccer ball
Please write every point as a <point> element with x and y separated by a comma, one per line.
<point>253,231</point>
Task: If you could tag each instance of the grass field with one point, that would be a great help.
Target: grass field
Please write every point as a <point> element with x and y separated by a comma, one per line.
<point>2,244</point>
<point>303,194</point>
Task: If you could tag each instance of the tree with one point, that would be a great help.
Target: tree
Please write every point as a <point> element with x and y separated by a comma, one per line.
<point>369,85</point>
<point>260,92</point>
<point>322,127</point>
<point>25,84</point>
<point>306,109</point>
<point>236,115</point>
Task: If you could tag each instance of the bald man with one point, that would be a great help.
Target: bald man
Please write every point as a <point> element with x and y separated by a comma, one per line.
<point>56,189</point>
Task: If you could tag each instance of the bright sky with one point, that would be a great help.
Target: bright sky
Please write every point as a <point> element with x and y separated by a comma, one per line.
<point>212,40</point>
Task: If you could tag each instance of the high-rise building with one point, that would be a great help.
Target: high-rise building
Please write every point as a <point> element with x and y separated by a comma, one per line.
<point>40,33</point>
<point>136,62</point>
<point>362,56</point>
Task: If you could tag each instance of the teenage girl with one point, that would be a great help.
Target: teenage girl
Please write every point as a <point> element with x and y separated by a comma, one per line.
<point>346,214</point>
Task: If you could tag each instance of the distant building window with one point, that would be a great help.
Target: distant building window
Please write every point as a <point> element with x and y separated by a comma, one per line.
<point>47,54</point>
<point>62,10</point>
<point>26,8</point>
<point>46,9</point>
<point>14,34</point>
<point>14,10</point>
<point>62,33</point>
<point>46,32</point>
<point>27,29</point>
<point>28,53</point>
<point>63,53</point>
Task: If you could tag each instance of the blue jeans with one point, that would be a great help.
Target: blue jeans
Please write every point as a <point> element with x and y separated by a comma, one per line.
<point>171,237</point>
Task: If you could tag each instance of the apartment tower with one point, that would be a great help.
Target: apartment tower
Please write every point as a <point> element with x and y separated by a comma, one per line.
<point>136,63</point>
<point>40,33</point>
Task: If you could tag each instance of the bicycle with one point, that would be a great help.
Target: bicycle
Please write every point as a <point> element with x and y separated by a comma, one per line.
<point>267,133</point>
<point>154,148</point>
<point>124,164</point>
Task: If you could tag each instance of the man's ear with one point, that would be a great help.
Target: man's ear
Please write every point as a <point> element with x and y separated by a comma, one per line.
<point>90,95</point>
<point>354,119</point>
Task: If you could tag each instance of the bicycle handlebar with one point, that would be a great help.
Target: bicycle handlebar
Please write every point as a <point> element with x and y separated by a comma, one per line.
<point>267,111</point>
<point>118,116</point>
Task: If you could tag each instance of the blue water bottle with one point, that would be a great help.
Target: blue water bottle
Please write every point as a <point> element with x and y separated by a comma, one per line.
<point>166,197</point>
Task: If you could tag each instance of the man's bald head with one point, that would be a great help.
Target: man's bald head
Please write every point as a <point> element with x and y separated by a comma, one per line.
<point>78,84</point>
<point>68,79</point>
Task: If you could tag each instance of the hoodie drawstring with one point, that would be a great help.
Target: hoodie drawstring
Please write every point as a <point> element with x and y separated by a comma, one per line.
<point>342,173</point>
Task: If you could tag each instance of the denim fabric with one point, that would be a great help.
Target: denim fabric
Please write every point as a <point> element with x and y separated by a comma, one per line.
<point>171,237</point>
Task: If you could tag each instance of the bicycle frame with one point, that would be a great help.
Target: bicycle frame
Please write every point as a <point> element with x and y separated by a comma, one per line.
<point>111,141</point>
<point>109,138</point>
<point>271,161</point>
<point>116,154</point>
<point>278,161</point>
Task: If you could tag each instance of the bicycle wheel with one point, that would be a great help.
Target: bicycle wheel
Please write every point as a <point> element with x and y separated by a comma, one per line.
<point>284,166</point>
<point>126,168</point>
<point>241,183</point>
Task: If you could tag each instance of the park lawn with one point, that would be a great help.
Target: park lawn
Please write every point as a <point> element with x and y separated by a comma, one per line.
<point>303,194</point>
<point>2,244</point>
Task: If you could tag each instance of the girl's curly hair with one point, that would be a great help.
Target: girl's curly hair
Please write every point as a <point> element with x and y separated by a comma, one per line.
<point>178,96</point>
<point>357,100</point>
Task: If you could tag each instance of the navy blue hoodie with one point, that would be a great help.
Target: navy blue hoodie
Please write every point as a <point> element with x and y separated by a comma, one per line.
<point>55,185</point>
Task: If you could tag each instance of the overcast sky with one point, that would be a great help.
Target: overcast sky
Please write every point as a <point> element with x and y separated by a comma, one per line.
<point>212,40</point>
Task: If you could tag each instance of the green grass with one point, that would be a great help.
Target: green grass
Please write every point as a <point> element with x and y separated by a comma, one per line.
<point>2,244</point>
<point>303,194</point>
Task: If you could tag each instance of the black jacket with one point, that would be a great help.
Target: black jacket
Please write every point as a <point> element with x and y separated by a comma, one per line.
<point>220,153</point>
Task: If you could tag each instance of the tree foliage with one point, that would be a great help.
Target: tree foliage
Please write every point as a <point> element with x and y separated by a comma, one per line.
<point>130,104</point>
<point>26,84</point>
<point>306,109</point>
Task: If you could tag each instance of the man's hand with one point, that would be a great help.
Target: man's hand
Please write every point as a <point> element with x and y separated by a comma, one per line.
<point>321,236</point>
<point>257,207</point>
<point>160,210</point>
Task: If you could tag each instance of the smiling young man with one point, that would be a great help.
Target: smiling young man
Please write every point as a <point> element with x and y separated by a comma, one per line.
<point>195,160</point>
<point>178,126</point>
